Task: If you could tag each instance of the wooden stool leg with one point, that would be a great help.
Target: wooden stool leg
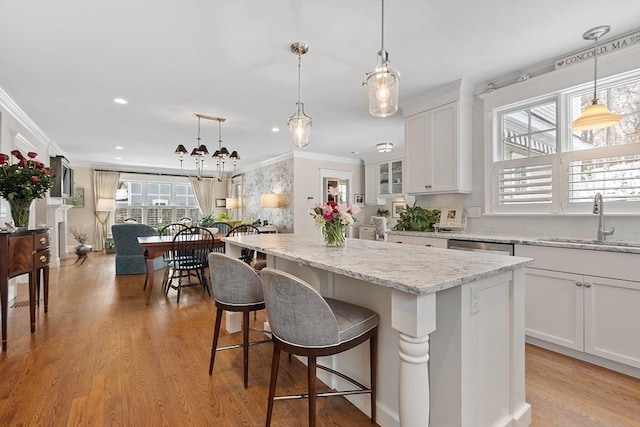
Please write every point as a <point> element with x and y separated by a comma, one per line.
<point>216,334</point>
<point>311,381</point>
<point>275,365</point>
<point>373,360</point>
<point>245,347</point>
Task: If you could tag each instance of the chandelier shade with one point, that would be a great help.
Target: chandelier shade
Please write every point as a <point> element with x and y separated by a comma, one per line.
<point>382,83</point>
<point>198,153</point>
<point>299,123</point>
<point>595,116</point>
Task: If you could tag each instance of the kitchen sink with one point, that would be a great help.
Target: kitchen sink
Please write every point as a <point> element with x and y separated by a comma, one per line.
<point>590,242</point>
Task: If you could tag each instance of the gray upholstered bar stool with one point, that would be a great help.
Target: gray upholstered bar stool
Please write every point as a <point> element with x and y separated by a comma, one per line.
<point>237,288</point>
<point>304,323</point>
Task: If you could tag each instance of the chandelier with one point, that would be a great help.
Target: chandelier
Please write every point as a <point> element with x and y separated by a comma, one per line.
<point>198,153</point>
<point>299,123</point>
<point>382,83</point>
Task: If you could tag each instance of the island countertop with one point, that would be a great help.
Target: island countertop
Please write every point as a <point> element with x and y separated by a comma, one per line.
<point>413,269</point>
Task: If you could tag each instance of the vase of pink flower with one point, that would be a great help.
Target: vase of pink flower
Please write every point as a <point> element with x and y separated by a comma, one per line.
<point>333,217</point>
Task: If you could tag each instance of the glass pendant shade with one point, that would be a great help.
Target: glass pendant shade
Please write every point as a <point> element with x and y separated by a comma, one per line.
<point>382,86</point>
<point>300,127</point>
<point>299,123</point>
<point>595,116</point>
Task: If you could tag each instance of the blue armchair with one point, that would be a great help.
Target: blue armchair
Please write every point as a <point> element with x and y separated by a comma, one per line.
<point>129,254</point>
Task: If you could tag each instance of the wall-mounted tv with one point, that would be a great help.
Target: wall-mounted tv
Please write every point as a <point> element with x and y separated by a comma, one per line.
<point>63,182</point>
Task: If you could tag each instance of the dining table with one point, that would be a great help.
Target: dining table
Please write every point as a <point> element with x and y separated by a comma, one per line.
<point>156,246</point>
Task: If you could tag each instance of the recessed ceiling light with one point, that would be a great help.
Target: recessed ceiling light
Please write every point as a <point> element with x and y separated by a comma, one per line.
<point>118,158</point>
<point>355,152</point>
<point>119,147</point>
<point>120,101</point>
<point>275,129</point>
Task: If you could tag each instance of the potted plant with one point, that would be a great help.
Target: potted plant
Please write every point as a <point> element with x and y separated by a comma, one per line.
<point>416,218</point>
<point>383,212</point>
<point>82,237</point>
<point>207,220</point>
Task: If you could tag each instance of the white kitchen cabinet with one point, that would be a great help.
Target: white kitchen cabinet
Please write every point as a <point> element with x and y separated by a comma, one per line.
<point>383,179</point>
<point>366,232</point>
<point>370,184</point>
<point>597,313</point>
<point>438,143</point>
<point>417,240</point>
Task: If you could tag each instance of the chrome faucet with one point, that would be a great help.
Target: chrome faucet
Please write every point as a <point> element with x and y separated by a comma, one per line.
<point>598,208</point>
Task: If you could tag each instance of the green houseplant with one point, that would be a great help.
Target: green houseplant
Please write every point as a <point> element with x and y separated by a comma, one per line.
<point>416,218</point>
<point>383,212</point>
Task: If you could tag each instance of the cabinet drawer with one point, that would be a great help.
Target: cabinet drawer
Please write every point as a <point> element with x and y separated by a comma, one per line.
<point>417,240</point>
<point>42,258</point>
<point>42,240</point>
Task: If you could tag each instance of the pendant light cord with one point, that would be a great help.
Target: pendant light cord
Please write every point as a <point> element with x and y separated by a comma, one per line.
<point>299,85</point>
<point>595,71</point>
<point>382,41</point>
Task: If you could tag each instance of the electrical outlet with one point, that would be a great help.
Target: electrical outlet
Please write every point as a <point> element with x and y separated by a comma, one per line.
<point>474,212</point>
<point>475,300</point>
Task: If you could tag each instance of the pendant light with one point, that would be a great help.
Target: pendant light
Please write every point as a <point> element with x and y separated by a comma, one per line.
<point>382,83</point>
<point>595,116</point>
<point>299,123</point>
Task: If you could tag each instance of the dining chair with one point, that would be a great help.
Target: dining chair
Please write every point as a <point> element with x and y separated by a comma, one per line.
<point>246,255</point>
<point>189,250</point>
<point>236,288</point>
<point>304,323</point>
<point>168,231</point>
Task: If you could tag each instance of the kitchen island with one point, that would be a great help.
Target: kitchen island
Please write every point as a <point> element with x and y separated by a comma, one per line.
<point>451,332</point>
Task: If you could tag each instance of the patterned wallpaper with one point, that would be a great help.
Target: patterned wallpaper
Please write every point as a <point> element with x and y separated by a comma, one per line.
<point>274,178</point>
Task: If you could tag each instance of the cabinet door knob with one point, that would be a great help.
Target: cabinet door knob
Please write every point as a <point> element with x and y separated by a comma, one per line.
<point>429,246</point>
<point>587,285</point>
<point>428,186</point>
<point>43,240</point>
<point>578,284</point>
<point>43,258</point>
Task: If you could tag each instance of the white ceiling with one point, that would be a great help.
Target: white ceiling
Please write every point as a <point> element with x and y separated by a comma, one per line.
<point>63,62</point>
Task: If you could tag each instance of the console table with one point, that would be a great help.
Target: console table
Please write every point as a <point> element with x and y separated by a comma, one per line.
<point>24,252</point>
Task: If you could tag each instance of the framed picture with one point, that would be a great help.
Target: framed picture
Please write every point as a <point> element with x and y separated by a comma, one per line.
<point>77,200</point>
<point>397,208</point>
<point>358,199</point>
<point>221,203</point>
<point>451,217</point>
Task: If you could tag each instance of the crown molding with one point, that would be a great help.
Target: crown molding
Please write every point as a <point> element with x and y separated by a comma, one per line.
<point>10,106</point>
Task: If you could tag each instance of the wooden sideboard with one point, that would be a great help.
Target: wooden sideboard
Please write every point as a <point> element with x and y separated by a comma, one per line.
<point>24,252</point>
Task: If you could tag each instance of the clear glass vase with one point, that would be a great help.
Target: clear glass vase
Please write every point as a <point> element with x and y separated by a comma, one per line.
<point>20,211</point>
<point>334,234</point>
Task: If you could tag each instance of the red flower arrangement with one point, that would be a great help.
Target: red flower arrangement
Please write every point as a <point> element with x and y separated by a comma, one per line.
<point>27,178</point>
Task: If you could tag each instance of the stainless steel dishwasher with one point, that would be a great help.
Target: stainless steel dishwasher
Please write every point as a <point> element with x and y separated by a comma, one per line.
<point>476,246</point>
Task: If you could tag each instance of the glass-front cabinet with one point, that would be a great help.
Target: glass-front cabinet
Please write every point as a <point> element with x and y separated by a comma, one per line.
<point>390,178</point>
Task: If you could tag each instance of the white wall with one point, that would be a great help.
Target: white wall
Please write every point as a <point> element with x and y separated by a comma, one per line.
<point>308,187</point>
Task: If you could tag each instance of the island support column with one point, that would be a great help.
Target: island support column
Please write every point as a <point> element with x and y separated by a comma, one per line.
<point>414,316</point>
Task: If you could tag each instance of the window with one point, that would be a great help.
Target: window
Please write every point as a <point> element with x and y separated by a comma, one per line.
<point>538,169</point>
<point>155,202</point>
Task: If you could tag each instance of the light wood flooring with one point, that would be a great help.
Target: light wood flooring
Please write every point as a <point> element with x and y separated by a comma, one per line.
<point>103,357</point>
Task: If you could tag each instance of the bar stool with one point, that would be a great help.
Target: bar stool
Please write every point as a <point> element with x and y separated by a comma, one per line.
<point>236,288</point>
<point>306,324</point>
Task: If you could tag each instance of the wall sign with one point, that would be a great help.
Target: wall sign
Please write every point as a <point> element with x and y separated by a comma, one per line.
<point>603,49</point>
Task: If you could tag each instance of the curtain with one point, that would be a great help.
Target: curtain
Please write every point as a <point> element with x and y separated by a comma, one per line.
<point>105,184</point>
<point>204,192</point>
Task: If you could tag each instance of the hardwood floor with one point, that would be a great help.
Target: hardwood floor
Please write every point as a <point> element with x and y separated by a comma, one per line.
<point>103,357</point>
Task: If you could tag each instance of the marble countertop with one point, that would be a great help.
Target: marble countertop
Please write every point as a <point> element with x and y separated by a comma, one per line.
<point>585,244</point>
<point>413,269</point>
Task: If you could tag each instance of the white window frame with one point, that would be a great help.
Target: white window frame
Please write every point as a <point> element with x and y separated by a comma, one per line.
<point>562,83</point>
